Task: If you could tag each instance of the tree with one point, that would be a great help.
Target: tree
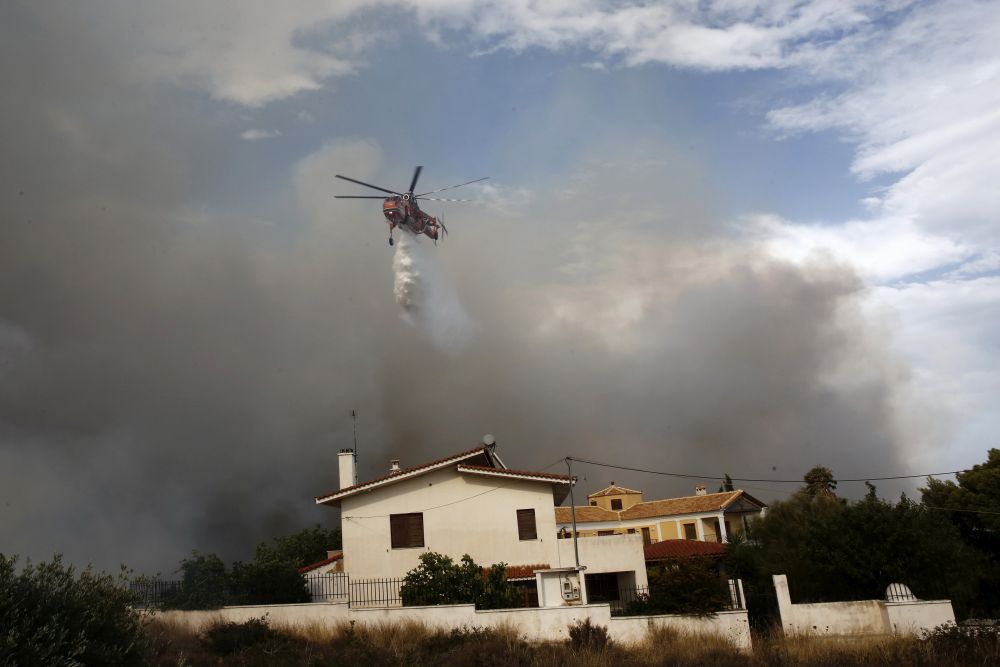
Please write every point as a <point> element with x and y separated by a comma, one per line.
<point>439,580</point>
<point>300,549</point>
<point>820,483</point>
<point>266,582</point>
<point>204,583</point>
<point>839,550</point>
<point>52,615</point>
<point>271,578</point>
<point>727,484</point>
<point>973,506</point>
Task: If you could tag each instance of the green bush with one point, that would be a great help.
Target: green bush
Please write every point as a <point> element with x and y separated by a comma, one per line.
<point>439,580</point>
<point>51,614</point>
<point>684,586</point>
<point>966,644</point>
<point>224,637</point>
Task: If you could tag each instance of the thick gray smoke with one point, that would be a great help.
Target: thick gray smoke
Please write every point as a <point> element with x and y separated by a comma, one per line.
<point>178,375</point>
<point>425,293</point>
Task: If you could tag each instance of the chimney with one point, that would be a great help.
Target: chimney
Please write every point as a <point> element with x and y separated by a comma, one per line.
<point>699,490</point>
<point>394,465</point>
<point>348,462</point>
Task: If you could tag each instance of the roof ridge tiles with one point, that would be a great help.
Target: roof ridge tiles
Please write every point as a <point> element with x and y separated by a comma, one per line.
<point>405,471</point>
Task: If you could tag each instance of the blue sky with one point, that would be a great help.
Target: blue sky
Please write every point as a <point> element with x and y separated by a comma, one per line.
<point>731,237</point>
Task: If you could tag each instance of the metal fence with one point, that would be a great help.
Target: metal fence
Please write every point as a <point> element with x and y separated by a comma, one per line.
<point>630,598</point>
<point>153,593</point>
<point>375,593</point>
<point>328,586</point>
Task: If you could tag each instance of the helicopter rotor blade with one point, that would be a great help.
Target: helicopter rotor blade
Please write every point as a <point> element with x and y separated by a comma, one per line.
<point>367,185</point>
<point>358,197</point>
<point>450,187</point>
<point>439,199</point>
<point>416,175</point>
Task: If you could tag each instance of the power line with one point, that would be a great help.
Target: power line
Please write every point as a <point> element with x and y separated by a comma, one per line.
<point>956,509</point>
<point>428,509</point>
<point>751,479</point>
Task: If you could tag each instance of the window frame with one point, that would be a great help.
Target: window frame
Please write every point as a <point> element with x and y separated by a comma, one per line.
<point>522,524</point>
<point>403,528</point>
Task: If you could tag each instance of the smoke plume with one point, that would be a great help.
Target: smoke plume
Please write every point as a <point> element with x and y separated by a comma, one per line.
<point>425,293</point>
<point>178,375</point>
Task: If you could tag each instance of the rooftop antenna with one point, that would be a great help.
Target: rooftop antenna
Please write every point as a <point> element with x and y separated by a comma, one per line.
<point>354,418</point>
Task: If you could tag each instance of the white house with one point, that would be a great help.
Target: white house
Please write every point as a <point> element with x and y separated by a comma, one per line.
<point>467,503</point>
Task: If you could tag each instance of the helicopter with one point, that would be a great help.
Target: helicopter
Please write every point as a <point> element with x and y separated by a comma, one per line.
<point>401,209</point>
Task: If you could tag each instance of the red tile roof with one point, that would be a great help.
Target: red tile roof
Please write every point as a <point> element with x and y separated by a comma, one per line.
<point>585,513</point>
<point>615,490</point>
<point>711,502</point>
<point>515,473</point>
<point>524,571</point>
<point>481,449</point>
<point>325,561</point>
<point>682,549</point>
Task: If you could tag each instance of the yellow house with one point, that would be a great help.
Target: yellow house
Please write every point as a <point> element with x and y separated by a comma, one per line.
<point>614,510</point>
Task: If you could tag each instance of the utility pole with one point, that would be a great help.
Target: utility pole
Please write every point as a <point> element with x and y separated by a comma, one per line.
<point>572,503</point>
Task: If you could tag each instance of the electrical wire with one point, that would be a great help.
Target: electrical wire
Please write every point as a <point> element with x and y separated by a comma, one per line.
<point>956,509</point>
<point>751,479</point>
<point>428,509</point>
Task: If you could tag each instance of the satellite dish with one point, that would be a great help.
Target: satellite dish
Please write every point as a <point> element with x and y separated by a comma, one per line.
<point>489,440</point>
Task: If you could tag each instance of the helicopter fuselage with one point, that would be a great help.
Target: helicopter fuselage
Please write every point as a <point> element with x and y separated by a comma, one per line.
<point>402,211</point>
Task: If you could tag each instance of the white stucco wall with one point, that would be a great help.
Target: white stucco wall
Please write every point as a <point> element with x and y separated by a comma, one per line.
<point>610,553</point>
<point>911,618</point>
<point>733,625</point>
<point>548,624</point>
<point>551,624</point>
<point>278,614</point>
<point>864,617</point>
<point>462,514</point>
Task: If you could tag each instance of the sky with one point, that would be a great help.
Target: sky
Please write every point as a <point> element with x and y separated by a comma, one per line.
<point>724,237</point>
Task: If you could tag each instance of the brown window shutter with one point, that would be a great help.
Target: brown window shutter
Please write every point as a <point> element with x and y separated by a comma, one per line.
<point>406,530</point>
<point>526,529</point>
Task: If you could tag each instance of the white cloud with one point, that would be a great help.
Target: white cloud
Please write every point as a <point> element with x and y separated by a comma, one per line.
<point>250,52</point>
<point>257,134</point>
<point>949,330</point>
<point>883,250</point>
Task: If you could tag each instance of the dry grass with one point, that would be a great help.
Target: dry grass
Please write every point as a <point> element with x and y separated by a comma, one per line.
<point>417,644</point>
<point>684,648</point>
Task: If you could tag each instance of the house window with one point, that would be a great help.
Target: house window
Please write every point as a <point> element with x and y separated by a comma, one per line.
<point>690,532</point>
<point>593,503</point>
<point>605,533</point>
<point>406,530</point>
<point>616,504</point>
<point>631,531</point>
<point>526,525</point>
<point>646,537</point>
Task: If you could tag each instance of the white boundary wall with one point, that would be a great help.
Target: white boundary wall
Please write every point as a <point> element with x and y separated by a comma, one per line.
<point>733,625</point>
<point>864,617</point>
<point>537,624</point>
